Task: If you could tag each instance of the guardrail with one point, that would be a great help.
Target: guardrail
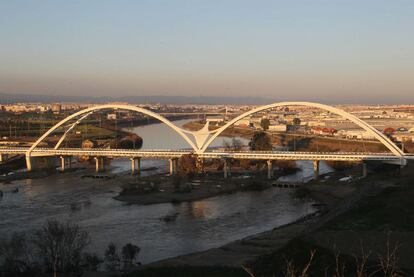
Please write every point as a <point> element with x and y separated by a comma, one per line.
<point>167,153</point>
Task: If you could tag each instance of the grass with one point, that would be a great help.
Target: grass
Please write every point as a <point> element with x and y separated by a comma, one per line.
<point>94,131</point>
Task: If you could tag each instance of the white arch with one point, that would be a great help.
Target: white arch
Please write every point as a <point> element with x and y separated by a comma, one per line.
<point>371,130</point>
<point>102,107</point>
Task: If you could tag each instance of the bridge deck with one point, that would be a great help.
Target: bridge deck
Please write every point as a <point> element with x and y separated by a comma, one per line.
<point>158,153</point>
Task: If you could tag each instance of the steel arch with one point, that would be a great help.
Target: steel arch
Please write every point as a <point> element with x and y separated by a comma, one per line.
<point>103,107</point>
<point>377,134</point>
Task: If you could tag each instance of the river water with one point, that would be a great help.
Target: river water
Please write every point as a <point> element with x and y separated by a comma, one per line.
<point>200,224</point>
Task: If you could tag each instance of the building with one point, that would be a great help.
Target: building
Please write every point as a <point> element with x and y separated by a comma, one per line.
<point>244,123</point>
<point>355,134</point>
<point>111,116</point>
<point>278,128</point>
<point>323,131</point>
<point>215,120</point>
<point>56,108</point>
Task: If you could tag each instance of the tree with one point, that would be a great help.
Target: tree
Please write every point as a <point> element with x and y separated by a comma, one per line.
<point>234,145</point>
<point>15,255</point>
<point>91,261</point>
<point>112,259</point>
<point>129,254</point>
<point>188,165</point>
<point>260,142</point>
<point>265,123</point>
<point>296,121</point>
<point>60,245</point>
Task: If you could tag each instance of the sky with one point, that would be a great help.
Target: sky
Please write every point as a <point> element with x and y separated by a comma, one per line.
<point>311,50</point>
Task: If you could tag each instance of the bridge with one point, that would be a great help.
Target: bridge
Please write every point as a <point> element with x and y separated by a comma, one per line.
<point>199,141</point>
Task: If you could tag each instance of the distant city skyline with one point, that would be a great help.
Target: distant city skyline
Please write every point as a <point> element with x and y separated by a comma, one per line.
<point>325,51</point>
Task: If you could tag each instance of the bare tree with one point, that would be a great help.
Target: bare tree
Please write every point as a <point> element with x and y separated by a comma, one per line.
<point>292,271</point>
<point>112,260</point>
<point>129,254</point>
<point>16,256</point>
<point>91,261</point>
<point>388,263</point>
<point>60,245</point>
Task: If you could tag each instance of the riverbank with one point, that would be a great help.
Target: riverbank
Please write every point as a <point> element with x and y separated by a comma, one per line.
<point>352,213</point>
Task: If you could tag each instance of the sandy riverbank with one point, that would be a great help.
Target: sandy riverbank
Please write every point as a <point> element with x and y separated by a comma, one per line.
<point>162,188</point>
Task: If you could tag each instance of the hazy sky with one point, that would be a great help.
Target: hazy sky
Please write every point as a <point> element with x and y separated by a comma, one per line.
<point>309,50</point>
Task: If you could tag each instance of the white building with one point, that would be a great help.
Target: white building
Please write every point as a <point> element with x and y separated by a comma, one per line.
<point>278,128</point>
<point>245,122</point>
<point>355,134</point>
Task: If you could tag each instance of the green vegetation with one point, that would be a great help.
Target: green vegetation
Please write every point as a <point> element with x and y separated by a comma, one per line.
<point>260,142</point>
<point>265,123</point>
<point>92,131</point>
<point>296,121</point>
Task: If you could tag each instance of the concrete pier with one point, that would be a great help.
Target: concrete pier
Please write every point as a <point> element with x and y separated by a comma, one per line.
<point>62,163</point>
<point>99,164</point>
<point>269,169</point>
<point>364,170</point>
<point>227,168</point>
<point>135,166</point>
<point>316,169</point>
<point>173,166</point>
<point>3,158</point>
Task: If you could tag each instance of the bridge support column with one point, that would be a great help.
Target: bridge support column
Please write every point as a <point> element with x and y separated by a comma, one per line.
<point>135,166</point>
<point>3,158</point>
<point>173,166</point>
<point>227,168</point>
<point>269,169</point>
<point>62,163</point>
<point>99,164</point>
<point>316,169</point>
<point>364,170</point>
<point>28,163</point>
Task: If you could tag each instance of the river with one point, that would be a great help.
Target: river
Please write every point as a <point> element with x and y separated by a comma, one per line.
<point>200,225</point>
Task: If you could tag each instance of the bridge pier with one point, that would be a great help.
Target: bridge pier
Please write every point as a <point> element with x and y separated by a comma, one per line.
<point>173,166</point>
<point>227,168</point>
<point>99,164</point>
<point>316,169</point>
<point>3,158</point>
<point>364,170</point>
<point>62,163</point>
<point>28,163</point>
<point>269,169</point>
<point>135,166</point>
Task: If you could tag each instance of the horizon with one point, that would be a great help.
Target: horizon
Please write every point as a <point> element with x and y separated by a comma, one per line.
<point>9,99</point>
